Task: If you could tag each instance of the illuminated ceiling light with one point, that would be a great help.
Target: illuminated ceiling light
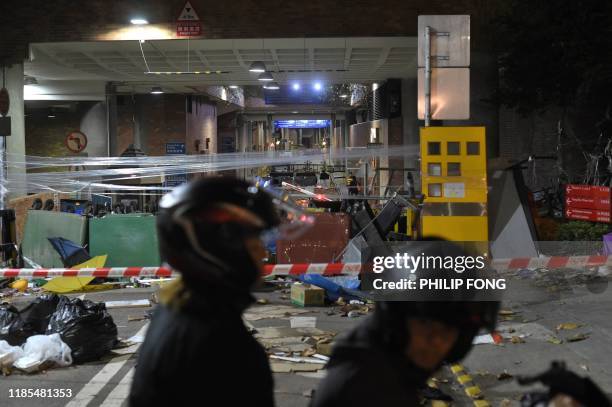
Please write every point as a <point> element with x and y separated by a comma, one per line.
<point>344,96</point>
<point>296,86</point>
<point>51,114</point>
<point>233,86</point>
<point>265,77</point>
<point>139,21</point>
<point>271,86</point>
<point>156,90</point>
<point>258,67</point>
<point>317,86</point>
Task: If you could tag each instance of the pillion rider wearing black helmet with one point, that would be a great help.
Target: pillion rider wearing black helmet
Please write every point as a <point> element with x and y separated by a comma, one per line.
<point>387,359</point>
<point>197,349</point>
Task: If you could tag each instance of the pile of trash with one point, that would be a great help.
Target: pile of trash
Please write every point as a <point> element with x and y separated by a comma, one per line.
<point>54,330</point>
<point>300,348</point>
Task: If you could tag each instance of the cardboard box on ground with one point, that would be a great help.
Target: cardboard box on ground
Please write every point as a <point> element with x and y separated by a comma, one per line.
<point>306,295</point>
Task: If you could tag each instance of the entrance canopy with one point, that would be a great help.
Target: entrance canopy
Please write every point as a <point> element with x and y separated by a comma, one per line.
<point>188,66</point>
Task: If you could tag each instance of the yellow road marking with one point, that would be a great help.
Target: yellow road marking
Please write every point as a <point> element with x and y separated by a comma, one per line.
<point>473,391</point>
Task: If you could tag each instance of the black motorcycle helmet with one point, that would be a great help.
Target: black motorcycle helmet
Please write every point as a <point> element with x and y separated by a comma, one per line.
<point>202,228</point>
<point>457,309</point>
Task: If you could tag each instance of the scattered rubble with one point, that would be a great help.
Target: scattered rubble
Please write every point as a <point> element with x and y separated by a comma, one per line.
<point>138,318</point>
<point>517,339</point>
<point>303,322</point>
<point>128,304</point>
<point>568,326</point>
<point>578,337</point>
<point>272,311</point>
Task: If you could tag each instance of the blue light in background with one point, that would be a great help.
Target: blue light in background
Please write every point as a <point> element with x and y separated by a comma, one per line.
<point>317,86</point>
<point>296,86</point>
<point>301,124</point>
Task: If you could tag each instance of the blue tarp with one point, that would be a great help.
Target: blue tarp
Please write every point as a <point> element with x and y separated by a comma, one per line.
<point>70,252</point>
<point>335,287</point>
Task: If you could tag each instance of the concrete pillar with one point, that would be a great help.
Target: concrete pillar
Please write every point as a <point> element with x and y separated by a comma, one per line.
<point>244,137</point>
<point>15,143</point>
<point>139,133</point>
<point>410,125</point>
<point>270,130</point>
<point>112,122</point>
<point>94,125</point>
<point>261,138</point>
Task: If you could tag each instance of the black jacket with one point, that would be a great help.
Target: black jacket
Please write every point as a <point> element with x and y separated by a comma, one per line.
<point>365,371</point>
<point>202,354</point>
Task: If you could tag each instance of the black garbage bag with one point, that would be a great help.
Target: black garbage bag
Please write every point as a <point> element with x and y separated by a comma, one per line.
<point>38,313</point>
<point>13,329</point>
<point>85,326</point>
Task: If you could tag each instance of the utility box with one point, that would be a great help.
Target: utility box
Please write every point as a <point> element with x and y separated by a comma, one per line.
<point>454,182</point>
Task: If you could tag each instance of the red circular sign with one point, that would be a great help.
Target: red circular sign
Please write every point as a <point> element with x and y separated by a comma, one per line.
<point>5,102</point>
<point>76,141</point>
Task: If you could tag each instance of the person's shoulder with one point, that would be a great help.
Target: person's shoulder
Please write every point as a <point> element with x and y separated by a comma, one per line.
<point>366,381</point>
<point>354,383</point>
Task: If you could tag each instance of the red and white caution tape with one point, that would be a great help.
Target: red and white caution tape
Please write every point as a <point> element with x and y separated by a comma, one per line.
<point>325,269</point>
<point>555,262</point>
<point>115,272</point>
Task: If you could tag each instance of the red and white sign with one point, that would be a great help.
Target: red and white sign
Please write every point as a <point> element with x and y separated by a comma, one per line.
<point>588,202</point>
<point>591,215</point>
<point>188,23</point>
<point>76,141</point>
<point>587,190</point>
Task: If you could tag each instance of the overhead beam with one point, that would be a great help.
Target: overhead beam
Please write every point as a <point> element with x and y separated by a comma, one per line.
<point>382,58</point>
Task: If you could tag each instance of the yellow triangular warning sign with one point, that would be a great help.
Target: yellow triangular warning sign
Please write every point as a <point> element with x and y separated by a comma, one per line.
<point>188,13</point>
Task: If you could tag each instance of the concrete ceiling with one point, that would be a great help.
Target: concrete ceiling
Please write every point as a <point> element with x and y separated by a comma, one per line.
<point>330,60</point>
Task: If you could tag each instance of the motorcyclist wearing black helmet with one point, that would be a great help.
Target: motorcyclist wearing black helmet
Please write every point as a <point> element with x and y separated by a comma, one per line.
<point>387,359</point>
<point>209,230</point>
